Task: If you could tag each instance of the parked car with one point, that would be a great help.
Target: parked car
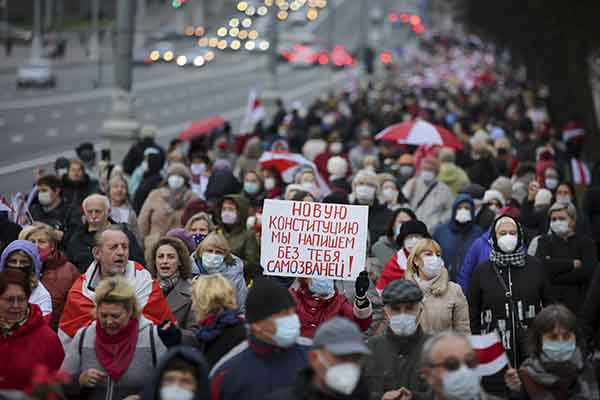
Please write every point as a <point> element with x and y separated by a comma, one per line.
<point>36,74</point>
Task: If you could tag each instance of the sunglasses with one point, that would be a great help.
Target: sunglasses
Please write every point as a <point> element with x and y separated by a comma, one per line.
<point>453,363</point>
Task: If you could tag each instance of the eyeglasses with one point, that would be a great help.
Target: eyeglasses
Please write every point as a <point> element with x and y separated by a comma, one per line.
<point>453,363</point>
<point>17,301</point>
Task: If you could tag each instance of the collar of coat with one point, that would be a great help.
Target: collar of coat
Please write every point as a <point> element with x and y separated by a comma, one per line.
<point>439,285</point>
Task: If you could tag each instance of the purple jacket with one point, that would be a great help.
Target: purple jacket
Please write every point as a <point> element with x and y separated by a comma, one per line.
<point>478,253</point>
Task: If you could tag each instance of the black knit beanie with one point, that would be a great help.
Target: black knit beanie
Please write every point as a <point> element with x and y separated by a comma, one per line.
<point>265,298</point>
<point>412,228</point>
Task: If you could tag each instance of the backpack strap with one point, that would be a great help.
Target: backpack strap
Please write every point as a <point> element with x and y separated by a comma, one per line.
<point>81,339</point>
<point>429,190</point>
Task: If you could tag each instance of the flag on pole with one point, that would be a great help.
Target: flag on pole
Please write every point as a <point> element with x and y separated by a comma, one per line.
<point>490,353</point>
<point>255,112</point>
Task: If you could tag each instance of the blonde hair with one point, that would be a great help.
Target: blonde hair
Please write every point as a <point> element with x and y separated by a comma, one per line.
<point>183,255</point>
<point>212,294</point>
<point>201,216</point>
<point>116,290</point>
<point>36,227</point>
<point>421,246</point>
<point>216,239</point>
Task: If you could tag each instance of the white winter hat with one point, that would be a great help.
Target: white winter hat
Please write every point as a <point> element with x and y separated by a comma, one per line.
<point>337,166</point>
<point>491,194</point>
<point>543,198</point>
<point>365,177</point>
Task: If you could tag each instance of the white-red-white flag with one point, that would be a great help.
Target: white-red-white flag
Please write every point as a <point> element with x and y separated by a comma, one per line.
<point>490,353</point>
<point>255,112</point>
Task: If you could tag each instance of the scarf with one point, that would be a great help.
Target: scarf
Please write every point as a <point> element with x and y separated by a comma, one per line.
<point>167,284</point>
<point>115,352</point>
<point>176,199</point>
<point>7,328</point>
<point>213,326</point>
<point>516,259</point>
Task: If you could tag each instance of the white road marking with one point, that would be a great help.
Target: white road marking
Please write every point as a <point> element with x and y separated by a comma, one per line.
<point>17,138</point>
<point>52,132</point>
<point>29,117</point>
<point>56,114</point>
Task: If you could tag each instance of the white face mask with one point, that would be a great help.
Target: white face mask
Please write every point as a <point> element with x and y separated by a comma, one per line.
<point>212,261</point>
<point>176,182</point>
<point>508,243</point>
<point>560,227</point>
<point>270,184</point>
<point>403,324</point>
<point>411,242</point>
<point>463,384</point>
<point>336,147</point>
<point>389,195</point>
<point>432,265</point>
<point>365,193</point>
<point>287,330</point>
<point>463,216</point>
<point>198,169</point>
<point>551,183</point>
<point>427,176</point>
<point>174,392</point>
<point>44,198</point>
<point>228,217</point>
<point>343,377</point>
<point>563,198</point>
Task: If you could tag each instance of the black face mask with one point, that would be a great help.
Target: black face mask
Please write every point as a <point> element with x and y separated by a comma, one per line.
<point>28,270</point>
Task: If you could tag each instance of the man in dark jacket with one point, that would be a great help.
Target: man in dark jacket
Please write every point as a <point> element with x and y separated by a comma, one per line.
<point>9,231</point>
<point>135,155</point>
<point>334,371</point>
<point>80,241</point>
<point>272,356</point>
<point>456,236</point>
<point>395,362</point>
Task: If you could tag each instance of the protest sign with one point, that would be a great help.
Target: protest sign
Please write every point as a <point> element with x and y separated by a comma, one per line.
<point>313,240</point>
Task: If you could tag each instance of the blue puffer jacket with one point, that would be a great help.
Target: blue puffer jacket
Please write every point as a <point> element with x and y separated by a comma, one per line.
<point>478,253</point>
<point>456,239</point>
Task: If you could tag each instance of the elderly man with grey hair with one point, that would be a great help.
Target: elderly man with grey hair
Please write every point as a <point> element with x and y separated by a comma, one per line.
<point>568,255</point>
<point>79,241</point>
<point>449,366</point>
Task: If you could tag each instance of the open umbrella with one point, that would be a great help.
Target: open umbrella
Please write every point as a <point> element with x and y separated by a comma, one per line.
<point>287,164</point>
<point>419,132</point>
<point>201,127</point>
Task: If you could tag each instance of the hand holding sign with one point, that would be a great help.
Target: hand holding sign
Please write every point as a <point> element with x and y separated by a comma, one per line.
<point>314,240</point>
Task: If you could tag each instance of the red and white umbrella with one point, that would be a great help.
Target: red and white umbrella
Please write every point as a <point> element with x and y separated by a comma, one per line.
<point>287,164</point>
<point>419,132</point>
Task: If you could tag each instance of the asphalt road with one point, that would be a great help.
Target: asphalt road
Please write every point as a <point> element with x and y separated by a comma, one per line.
<point>37,127</point>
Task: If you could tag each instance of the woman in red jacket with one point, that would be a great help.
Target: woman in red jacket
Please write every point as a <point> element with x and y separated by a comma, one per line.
<point>25,338</point>
<point>318,300</point>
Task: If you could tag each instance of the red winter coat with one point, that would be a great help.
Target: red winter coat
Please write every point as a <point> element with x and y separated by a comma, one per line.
<point>393,270</point>
<point>313,311</point>
<point>33,343</point>
<point>58,275</point>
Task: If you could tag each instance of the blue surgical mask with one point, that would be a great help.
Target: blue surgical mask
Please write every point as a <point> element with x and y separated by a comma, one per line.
<point>322,287</point>
<point>464,384</point>
<point>288,330</point>
<point>403,324</point>
<point>212,261</point>
<point>198,238</point>
<point>251,187</point>
<point>558,350</point>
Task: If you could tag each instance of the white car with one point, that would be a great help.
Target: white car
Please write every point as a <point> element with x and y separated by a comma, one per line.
<point>36,74</point>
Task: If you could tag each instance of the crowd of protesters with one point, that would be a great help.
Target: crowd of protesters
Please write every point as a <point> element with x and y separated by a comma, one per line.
<point>142,280</point>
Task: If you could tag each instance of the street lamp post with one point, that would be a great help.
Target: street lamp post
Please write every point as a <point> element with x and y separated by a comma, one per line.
<point>271,92</point>
<point>140,35</point>
<point>94,45</point>
<point>36,41</point>
<point>121,129</point>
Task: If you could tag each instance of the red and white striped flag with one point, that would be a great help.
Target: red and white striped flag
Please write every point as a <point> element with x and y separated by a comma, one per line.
<point>254,113</point>
<point>490,353</point>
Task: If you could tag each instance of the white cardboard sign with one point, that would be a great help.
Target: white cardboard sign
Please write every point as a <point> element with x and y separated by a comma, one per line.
<point>313,240</point>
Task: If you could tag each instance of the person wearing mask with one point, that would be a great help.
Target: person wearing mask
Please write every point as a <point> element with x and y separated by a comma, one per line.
<point>450,173</point>
<point>111,258</point>
<point>569,257</point>
<point>24,256</point>
<point>430,199</point>
<point>80,242</point>
<point>387,246</point>
<point>272,182</point>
<point>395,267</point>
<point>220,325</point>
<point>405,168</point>
<point>199,226</point>
<point>171,266</point>
<point>456,236</point>
<point>318,300</point>
<point>556,367</point>
<point>50,207</point>
<point>551,178</point>
<point>232,214</point>
<point>214,256</point>
<point>338,175</point>
<point>164,206</point>
<point>506,293</point>
<point>272,357</point>
<point>444,304</point>
<point>254,192</point>
<point>57,273</point>
<point>364,190</point>
<point>121,210</point>
<point>491,204</point>
<point>449,366</point>
<point>110,357</point>
<point>200,171</point>
<point>307,179</point>
<point>181,374</point>
<point>335,148</point>
<point>150,178</point>
<point>565,193</point>
<point>394,368</point>
<point>335,366</point>
<point>390,193</point>
<point>25,338</point>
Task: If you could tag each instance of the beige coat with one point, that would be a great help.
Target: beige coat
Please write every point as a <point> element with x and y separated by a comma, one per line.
<point>157,216</point>
<point>444,305</point>
<point>180,302</point>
